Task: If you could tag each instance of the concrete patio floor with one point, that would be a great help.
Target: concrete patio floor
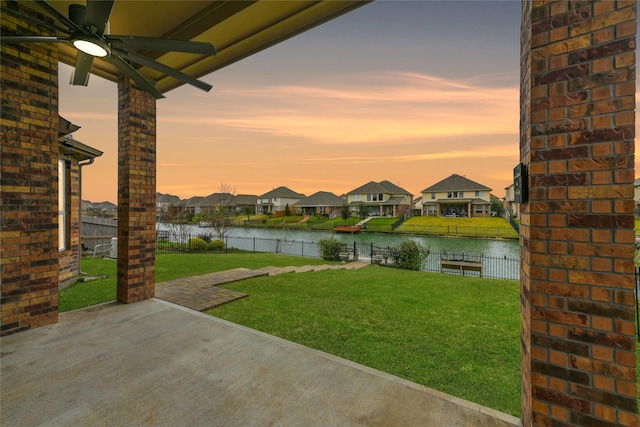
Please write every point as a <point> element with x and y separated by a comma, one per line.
<point>156,363</point>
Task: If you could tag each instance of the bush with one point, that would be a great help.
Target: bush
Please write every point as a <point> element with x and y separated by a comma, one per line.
<point>410,255</point>
<point>217,245</point>
<point>196,244</point>
<point>330,249</point>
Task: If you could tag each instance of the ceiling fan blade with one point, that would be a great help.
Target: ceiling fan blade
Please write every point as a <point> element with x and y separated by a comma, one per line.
<point>130,72</point>
<point>17,14</point>
<point>33,39</point>
<point>98,13</point>
<point>143,60</point>
<point>59,16</point>
<point>84,64</point>
<point>153,43</point>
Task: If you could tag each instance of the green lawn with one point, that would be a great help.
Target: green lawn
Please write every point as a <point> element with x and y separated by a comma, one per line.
<point>458,335</point>
<point>471,227</point>
<point>168,267</point>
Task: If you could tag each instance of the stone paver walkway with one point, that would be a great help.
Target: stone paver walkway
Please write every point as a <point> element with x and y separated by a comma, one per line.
<point>203,292</point>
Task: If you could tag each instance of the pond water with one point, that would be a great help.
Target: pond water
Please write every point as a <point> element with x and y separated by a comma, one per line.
<point>488,247</point>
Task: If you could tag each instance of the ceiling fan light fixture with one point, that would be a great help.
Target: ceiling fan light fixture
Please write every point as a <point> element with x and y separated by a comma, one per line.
<point>90,46</point>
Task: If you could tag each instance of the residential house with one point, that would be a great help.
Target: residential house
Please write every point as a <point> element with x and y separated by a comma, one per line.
<point>417,206</point>
<point>277,200</point>
<point>457,196</point>
<point>243,203</point>
<point>510,205</point>
<point>74,155</point>
<point>381,198</point>
<point>192,205</point>
<point>320,203</point>
<point>164,201</point>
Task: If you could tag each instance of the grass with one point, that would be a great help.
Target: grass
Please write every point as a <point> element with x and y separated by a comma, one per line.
<point>168,267</point>
<point>460,336</point>
<point>472,227</point>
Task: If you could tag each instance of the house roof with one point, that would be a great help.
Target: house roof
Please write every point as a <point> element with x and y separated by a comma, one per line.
<point>384,187</point>
<point>283,192</point>
<point>456,182</point>
<point>245,199</point>
<point>217,199</point>
<point>79,150</point>
<point>237,29</point>
<point>166,198</point>
<point>321,198</point>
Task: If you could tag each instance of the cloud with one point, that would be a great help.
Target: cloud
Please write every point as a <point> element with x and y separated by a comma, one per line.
<point>379,108</point>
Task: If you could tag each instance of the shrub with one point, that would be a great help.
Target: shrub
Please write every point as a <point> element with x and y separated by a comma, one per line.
<point>410,255</point>
<point>196,244</point>
<point>217,245</point>
<point>330,249</point>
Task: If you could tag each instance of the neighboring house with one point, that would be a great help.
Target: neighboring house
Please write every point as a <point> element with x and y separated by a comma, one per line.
<point>381,198</point>
<point>509,202</point>
<point>208,203</point>
<point>457,196</point>
<point>192,205</point>
<point>164,201</point>
<point>417,206</point>
<point>636,195</point>
<point>74,155</point>
<point>322,202</point>
<point>277,200</point>
<point>244,202</point>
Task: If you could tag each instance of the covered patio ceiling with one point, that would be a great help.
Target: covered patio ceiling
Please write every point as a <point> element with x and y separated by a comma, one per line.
<point>236,28</point>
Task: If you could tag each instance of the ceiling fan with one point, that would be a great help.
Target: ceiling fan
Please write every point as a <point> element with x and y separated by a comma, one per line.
<point>88,30</point>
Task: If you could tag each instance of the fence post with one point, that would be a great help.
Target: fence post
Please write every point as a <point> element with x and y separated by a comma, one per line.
<point>302,249</point>
<point>226,244</point>
<point>254,245</point>
<point>371,252</point>
<point>355,253</point>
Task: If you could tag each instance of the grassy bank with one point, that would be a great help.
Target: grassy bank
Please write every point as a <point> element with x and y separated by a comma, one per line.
<point>494,227</point>
<point>467,227</point>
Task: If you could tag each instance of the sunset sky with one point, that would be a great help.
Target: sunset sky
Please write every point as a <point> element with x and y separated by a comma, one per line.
<point>409,92</point>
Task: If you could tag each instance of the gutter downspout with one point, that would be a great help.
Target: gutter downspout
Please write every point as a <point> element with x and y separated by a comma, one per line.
<point>80,165</point>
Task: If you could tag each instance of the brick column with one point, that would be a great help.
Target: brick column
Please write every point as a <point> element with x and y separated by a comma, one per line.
<point>136,193</point>
<point>29,188</point>
<point>577,229</point>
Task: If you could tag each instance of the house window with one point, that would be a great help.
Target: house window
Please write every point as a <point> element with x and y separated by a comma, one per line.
<point>380,198</point>
<point>323,209</point>
<point>432,209</point>
<point>433,196</point>
<point>449,194</point>
<point>356,197</point>
<point>478,209</point>
<point>478,193</point>
<point>461,194</point>
<point>63,211</point>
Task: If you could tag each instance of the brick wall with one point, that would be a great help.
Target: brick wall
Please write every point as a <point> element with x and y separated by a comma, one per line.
<point>577,230</point>
<point>136,193</point>
<point>29,194</point>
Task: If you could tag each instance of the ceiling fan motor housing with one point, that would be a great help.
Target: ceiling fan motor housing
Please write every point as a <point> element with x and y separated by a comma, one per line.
<point>76,13</point>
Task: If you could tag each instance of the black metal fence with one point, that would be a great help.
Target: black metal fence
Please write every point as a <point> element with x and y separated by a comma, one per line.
<point>507,268</point>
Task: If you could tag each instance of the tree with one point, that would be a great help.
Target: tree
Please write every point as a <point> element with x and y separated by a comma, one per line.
<point>363,210</point>
<point>179,223</point>
<point>218,215</point>
<point>287,211</point>
<point>497,206</point>
<point>247,210</point>
<point>345,212</point>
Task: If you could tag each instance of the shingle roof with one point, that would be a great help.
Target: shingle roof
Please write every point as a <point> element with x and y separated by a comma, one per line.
<point>321,198</point>
<point>384,187</point>
<point>456,182</point>
<point>283,192</point>
<point>167,198</point>
<point>245,199</point>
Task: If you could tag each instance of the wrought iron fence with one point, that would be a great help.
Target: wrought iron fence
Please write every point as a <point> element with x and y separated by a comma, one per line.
<point>507,268</point>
